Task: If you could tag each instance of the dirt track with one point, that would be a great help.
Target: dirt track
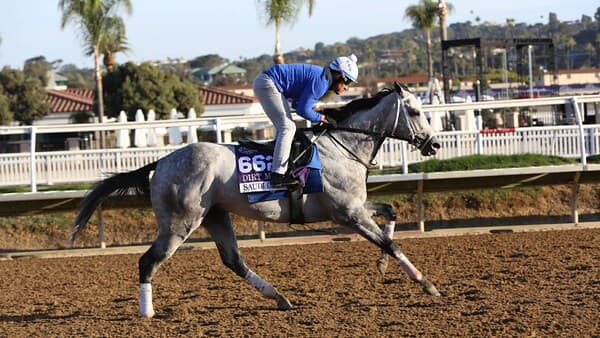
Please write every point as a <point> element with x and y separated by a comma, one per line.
<point>522,284</point>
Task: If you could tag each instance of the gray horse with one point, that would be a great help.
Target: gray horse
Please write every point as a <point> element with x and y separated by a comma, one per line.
<point>197,186</point>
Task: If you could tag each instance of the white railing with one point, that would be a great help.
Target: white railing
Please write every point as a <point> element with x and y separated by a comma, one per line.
<point>557,141</point>
<point>90,165</point>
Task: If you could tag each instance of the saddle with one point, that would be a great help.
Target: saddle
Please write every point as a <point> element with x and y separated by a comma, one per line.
<point>301,155</point>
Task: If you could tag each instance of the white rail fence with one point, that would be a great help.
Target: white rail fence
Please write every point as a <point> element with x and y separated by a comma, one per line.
<point>561,141</point>
<point>59,167</point>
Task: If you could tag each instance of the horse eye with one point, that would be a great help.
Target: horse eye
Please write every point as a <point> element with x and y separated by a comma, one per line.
<point>413,112</point>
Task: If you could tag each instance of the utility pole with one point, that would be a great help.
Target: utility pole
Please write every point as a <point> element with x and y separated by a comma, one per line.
<point>529,48</point>
<point>443,11</point>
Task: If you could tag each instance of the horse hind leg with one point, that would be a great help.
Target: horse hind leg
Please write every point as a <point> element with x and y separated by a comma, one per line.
<point>174,229</point>
<point>161,249</point>
<point>383,260</point>
<point>218,225</point>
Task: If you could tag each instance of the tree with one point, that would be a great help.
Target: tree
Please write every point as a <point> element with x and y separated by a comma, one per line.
<point>597,47</point>
<point>279,12</point>
<point>443,10</point>
<point>96,19</point>
<point>78,78</point>
<point>569,44</point>
<point>589,51</point>
<point>26,96</point>
<point>423,17</point>
<point>114,41</point>
<point>6,115</point>
<point>130,87</point>
<point>510,24</point>
<point>209,60</point>
<point>37,67</point>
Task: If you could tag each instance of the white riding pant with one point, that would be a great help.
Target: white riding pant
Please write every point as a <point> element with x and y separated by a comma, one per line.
<point>278,110</point>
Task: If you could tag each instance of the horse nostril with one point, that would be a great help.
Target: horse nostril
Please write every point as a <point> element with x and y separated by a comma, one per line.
<point>436,145</point>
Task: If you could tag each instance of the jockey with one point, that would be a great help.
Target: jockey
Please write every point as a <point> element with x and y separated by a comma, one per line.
<point>303,85</point>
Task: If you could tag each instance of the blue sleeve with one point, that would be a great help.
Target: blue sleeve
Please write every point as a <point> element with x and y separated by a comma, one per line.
<point>316,89</point>
<point>304,106</point>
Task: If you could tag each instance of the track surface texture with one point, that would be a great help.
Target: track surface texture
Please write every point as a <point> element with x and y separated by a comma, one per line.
<point>542,284</point>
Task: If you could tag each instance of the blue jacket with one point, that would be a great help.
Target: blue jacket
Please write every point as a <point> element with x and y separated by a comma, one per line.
<point>304,84</point>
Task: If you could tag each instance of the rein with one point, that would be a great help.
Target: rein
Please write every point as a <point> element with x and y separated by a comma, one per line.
<point>322,129</point>
<point>337,142</point>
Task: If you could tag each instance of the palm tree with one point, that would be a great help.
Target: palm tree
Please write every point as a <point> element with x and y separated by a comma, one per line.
<point>444,9</point>
<point>589,51</point>
<point>423,17</point>
<point>510,24</point>
<point>279,12</point>
<point>96,19</point>
<point>569,44</point>
<point>114,42</point>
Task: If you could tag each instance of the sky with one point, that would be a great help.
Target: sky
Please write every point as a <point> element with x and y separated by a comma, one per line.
<point>160,29</point>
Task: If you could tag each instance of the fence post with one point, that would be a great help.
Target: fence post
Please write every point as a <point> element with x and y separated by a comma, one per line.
<point>479,142</point>
<point>218,130</point>
<point>404,157</point>
<point>101,236</point>
<point>32,166</point>
<point>574,193</point>
<point>581,132</point>
<point>420,206</point>
<point>261,231</point>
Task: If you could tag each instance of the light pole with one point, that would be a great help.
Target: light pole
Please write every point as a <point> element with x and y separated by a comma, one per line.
<point>529,48</point>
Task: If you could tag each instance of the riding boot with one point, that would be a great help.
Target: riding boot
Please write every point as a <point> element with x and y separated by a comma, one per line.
<point>279,180</point>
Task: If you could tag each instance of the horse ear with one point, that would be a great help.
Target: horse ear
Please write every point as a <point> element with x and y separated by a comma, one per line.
<point>405,88</point>
<point>402,89</point>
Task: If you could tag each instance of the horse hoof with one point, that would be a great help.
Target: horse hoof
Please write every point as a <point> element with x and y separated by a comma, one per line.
<point>382,265</point>
<point>429,288</point>
<point>282,302</point>
<point>148,314</point>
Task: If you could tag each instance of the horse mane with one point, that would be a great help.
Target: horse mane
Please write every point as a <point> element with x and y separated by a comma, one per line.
<point>347,110</point>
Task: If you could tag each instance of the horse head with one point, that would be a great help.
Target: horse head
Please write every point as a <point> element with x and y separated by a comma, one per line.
<point>411,124</point>
<point>385,115</point>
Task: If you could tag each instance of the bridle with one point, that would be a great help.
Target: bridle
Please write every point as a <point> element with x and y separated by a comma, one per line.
<point>380,137</point>
<point>401,111</point>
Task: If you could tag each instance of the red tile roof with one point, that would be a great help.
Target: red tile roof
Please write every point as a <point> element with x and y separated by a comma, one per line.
<point>70,100</point>
<point>82,100</point>
<point>213,95</point>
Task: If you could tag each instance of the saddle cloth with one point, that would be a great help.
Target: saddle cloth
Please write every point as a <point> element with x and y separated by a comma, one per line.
<point>253,163</point>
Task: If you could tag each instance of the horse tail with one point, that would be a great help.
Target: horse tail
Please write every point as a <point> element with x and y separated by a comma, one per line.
<point>137,180</point>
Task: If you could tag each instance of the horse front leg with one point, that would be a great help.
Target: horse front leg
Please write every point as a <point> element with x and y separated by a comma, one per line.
<point>389,215</point>
<point>218,224</point>
<point>361,222</point>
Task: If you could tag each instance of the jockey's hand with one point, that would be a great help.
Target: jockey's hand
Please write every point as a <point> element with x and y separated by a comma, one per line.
<point>329,120</point>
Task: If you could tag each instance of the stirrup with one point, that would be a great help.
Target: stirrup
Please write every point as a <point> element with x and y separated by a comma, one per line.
<point>280,181</point>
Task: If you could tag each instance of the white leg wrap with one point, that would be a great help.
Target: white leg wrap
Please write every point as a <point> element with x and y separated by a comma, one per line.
<point>389,229</point>
<point>410,269</point>
<point>146,309</point>
<point>260,284</point>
